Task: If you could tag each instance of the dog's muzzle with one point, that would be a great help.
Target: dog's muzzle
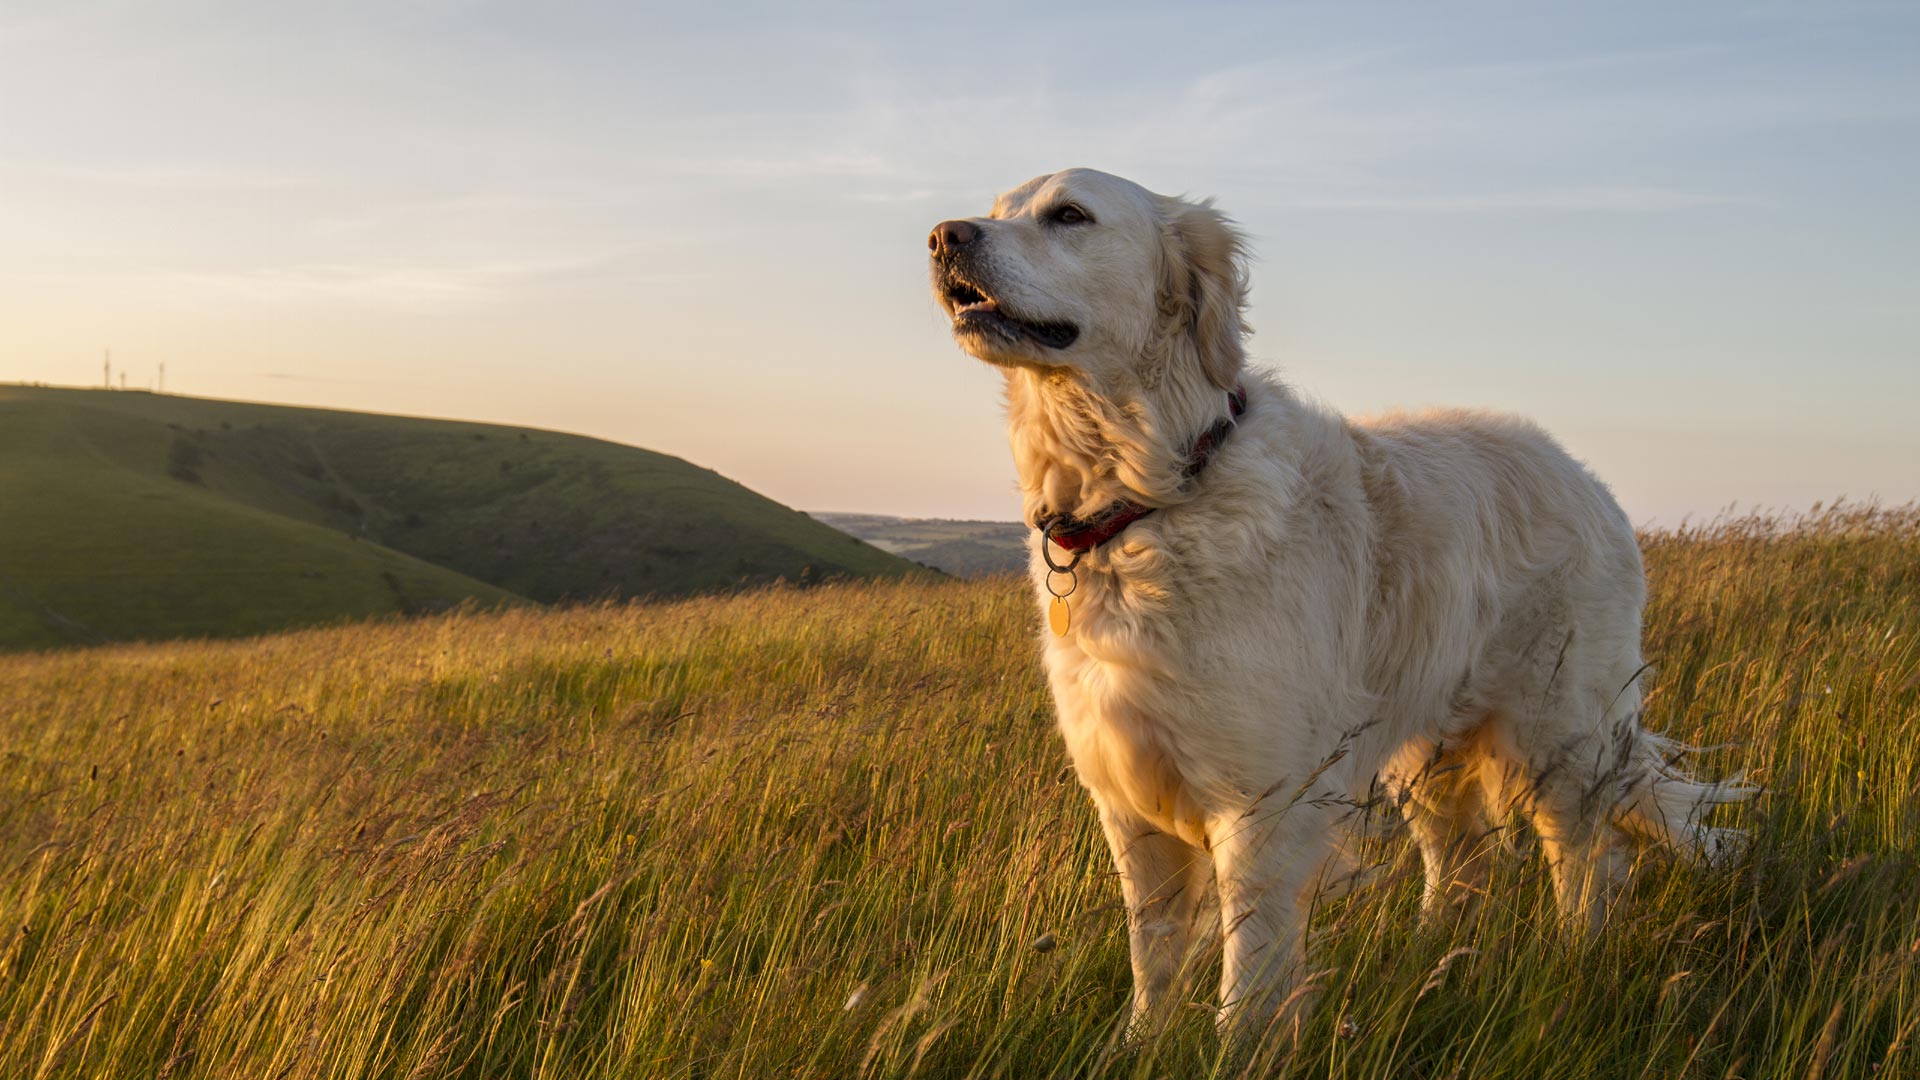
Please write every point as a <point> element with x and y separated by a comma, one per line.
<point>958,276</point>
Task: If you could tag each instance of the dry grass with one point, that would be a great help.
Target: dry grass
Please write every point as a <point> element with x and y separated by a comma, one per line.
<point>817,833</point>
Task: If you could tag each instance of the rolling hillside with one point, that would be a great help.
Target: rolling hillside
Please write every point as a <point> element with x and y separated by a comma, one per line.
<point>133,515</point>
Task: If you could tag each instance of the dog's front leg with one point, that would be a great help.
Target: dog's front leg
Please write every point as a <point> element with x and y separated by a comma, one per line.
<point>1265,859</point>
<point>1163,880</point>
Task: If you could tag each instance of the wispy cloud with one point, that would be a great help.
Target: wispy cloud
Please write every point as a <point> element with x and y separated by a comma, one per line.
<point>393,287</point>
<point>801,163</point>
<point>160,178</point>
<point>921,194</point>
<point>1610,200</point>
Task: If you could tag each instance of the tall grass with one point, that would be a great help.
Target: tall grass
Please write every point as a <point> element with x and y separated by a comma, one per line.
<point>830,832</point>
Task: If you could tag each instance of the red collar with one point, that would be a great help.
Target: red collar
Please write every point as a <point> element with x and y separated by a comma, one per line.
<point>1078,535</point>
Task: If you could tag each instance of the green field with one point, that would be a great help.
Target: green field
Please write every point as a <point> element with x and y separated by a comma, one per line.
<point>817,832</point>
<point>133,515</point>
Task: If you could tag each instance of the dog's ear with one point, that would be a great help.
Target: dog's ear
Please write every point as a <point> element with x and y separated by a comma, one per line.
<point>1203,284</point>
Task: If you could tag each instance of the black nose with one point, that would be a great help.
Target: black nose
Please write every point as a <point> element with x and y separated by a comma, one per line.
<point>949,236</point>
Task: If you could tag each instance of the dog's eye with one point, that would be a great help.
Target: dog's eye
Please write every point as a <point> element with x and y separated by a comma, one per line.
<point>1071,215</point>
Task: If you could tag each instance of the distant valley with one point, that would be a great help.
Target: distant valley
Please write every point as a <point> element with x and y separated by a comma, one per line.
<point>960,548</point>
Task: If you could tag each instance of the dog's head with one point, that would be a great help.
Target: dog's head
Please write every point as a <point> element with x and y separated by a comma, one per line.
<point>1087,272</point>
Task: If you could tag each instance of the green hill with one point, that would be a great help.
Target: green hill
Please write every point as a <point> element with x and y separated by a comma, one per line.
<point>133,515</point>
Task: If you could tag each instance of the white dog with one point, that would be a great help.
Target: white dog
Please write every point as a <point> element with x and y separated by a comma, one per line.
<point>1263,613</point>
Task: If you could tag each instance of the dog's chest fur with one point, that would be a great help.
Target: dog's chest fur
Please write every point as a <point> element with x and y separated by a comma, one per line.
<point>1129,723</point>
<point>1187,677</point>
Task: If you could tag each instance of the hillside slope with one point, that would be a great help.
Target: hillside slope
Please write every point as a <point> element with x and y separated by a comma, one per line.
<point>126,515</point>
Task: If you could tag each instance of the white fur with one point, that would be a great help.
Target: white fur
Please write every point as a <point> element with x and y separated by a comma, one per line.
<point>1442,607</point>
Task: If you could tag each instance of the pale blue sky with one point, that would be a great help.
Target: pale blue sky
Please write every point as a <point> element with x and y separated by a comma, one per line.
<point>1682,236</point>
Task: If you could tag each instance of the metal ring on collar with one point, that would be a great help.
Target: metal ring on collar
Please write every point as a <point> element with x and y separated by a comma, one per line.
<point>1046,552</point>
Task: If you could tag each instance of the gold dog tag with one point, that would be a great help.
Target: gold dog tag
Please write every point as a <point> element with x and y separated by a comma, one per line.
<point>1059,617</point>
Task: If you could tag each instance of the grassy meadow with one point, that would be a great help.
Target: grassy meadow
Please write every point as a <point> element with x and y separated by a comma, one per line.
<point>830,833</point>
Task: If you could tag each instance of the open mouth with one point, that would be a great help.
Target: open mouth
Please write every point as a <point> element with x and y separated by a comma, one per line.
<point>976,312</point>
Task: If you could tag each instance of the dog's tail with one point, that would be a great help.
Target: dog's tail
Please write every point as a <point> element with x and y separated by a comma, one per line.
<point>1663,803</point>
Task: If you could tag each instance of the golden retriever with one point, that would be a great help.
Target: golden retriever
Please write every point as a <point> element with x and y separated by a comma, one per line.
<point>1264,614</point>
